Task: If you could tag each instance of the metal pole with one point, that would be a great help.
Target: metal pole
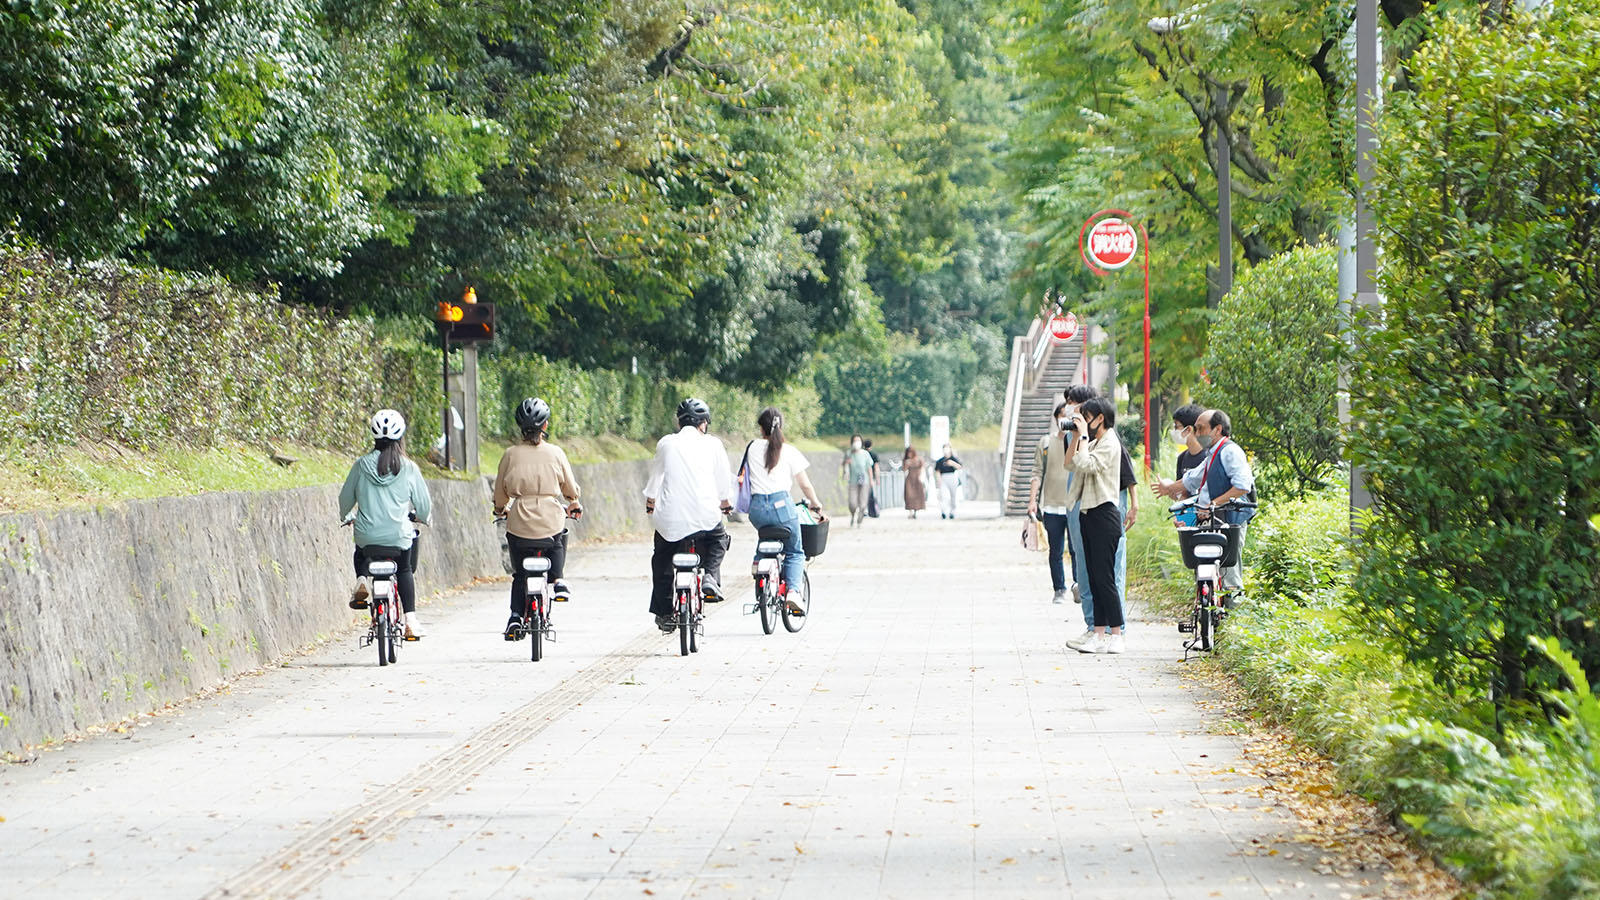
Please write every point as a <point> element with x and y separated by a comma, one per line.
<point>1224,204</point>
<point>1367,99</point>
<point>1149,466</point>
<point>444,356</point>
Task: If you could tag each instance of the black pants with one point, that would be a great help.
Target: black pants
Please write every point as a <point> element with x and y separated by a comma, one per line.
<point>1102,532</point>
<point>405,568</point>
<point>711,545</point>
<point>554,548</point>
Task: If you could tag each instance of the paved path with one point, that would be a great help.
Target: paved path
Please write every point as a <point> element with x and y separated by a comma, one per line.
<point>924,736</point>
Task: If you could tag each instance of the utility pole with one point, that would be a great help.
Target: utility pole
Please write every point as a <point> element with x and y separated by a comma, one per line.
<point>1368,97</point>
<point>1224,201</point>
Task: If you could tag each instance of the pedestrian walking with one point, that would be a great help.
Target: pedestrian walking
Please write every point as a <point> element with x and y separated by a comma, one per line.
<point>1094,455</point>
<point>916,489</point>
<point>857,469</point>
<point>948,467</point>
<point>872,486</point>
<point>1047,500</point>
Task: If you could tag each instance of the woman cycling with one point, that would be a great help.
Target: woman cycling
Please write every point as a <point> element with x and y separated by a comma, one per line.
<point>383,491</point>
<point>773,467</point>
<point>536,474</point>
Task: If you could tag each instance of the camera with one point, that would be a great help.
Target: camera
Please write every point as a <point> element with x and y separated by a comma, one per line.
<point>1072,426</point>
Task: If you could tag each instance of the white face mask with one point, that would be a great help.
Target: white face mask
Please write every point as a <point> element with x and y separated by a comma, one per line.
<point>855,445</point>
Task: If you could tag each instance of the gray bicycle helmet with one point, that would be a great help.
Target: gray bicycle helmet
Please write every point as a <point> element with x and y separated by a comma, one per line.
<point>693,411</point>
<point>532,413</point>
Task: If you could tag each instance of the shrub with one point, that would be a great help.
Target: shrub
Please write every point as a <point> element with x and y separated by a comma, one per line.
<point>1274,364</point>
<point>1474,392</point>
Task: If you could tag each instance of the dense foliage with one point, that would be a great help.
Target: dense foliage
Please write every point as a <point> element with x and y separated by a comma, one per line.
<point>1272,364</point>
<point>709,188</point>
<point>1477,411</point>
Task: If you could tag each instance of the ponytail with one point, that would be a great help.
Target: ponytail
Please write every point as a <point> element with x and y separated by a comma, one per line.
<point>771,422</point>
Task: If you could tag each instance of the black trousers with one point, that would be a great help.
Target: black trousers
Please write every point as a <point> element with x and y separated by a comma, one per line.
<point>1102,532</point>
<point>555,548</point>
<point>405,569</point>
<point>711,545</point>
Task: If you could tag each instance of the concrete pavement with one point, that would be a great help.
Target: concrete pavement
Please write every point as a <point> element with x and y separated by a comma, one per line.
<point>925,735</point>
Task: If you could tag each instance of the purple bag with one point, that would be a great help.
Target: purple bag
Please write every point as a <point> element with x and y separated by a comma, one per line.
<point>742,502</point>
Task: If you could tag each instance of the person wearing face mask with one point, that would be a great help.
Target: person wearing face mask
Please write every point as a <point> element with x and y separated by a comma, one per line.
<point>1047,499</point>
<point>1183,425</point>
<point>1094,456</point>
<point>1222,475</point>
<point>858,479</point>
<point>1075,396</point>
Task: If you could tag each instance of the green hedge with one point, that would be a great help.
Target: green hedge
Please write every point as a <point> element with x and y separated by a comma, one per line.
<point>913,383</point>
<point>107,351</point>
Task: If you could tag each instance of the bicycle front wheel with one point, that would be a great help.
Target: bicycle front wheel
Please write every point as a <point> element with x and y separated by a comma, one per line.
<point>796,605</point>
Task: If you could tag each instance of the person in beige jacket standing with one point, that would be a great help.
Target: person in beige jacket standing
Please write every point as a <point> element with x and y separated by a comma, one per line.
<point>1094,454</point>
<point>537,475</point>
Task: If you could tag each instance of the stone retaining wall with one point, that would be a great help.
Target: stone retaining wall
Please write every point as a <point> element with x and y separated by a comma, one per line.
<point>115,611</point>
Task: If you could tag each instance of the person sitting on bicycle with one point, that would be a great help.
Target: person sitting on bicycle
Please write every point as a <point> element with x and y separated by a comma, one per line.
<point>1223,475</point>
<point>537,475</point>
<point>383,491</point>
<point>689,491</point>
<point>774,467</point>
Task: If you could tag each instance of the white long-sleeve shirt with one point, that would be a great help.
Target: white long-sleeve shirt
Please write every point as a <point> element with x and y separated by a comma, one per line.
<point>689,481</point>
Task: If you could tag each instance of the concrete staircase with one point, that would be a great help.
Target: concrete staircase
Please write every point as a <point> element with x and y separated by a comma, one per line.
<point>1033,420</point>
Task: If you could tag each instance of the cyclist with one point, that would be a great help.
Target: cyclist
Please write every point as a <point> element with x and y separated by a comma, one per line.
<point>537,475</point>
<point>381,495</point>
<point>689,491</point>
<point>774,467</point>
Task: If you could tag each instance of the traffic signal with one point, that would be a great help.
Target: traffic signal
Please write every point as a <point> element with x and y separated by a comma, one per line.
<point>468,321</point>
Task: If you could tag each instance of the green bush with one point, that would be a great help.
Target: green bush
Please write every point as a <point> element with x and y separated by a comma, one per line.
<point>1300,547</point>
<point>1273,365</point>
<point>1474,392</point>
<point>912,384</point>
<point>108,351</point>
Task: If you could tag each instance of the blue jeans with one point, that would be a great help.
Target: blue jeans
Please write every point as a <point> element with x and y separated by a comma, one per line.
<point>1055,532</point>
<point>778,511</point>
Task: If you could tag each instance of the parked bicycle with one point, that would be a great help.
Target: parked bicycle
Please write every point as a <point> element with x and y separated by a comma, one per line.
<point>793,604</point>
<point>1209,545</point>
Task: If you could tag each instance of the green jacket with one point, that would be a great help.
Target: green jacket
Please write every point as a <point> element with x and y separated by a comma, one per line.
<point>382,503</point>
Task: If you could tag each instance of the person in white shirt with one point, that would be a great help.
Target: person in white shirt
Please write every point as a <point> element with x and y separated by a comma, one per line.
<point>689,491</point>
<point>774,467</point>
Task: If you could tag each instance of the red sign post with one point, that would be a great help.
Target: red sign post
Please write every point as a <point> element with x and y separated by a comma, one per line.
<point>1107,243</point>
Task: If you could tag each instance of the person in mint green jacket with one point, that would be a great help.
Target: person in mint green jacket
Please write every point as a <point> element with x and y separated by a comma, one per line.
<point>380,495</point>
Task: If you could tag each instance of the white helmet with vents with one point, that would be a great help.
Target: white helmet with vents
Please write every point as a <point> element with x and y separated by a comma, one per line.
<point>387,424</point>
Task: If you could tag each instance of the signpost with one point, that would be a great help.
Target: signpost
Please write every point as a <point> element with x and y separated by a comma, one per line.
<point>1063,327</point>
<point>1107,243</point>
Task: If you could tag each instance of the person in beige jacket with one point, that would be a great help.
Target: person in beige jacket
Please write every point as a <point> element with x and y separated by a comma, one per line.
<point>1094,454</point>
<point>537,476</point>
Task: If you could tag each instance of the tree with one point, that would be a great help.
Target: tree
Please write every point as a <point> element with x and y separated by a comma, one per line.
<point>1474,396</point>
<point>1274,364</point>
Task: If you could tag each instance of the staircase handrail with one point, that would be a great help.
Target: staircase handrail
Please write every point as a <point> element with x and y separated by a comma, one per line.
<point>1025,355</point>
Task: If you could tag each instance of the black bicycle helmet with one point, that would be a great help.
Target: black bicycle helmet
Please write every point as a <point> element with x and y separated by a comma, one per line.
<point>693,411</point>
<point>532,413</point>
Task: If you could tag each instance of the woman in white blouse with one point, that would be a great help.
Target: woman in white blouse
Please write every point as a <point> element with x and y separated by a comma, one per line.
<point>774,467</point>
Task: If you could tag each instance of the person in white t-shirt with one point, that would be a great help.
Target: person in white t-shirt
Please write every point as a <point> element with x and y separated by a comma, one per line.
<point>774,467</point>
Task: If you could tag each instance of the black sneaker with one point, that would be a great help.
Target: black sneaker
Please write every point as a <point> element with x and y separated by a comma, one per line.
<point>667,624</point>
<point>561,593</point>
<point>514,628</point>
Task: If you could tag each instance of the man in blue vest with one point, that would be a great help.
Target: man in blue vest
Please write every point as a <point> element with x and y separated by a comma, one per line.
<point>1222,475</point>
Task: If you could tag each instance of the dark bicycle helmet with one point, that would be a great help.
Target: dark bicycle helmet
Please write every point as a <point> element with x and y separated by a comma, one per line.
<point>693,411</point>
<point>532,413</point>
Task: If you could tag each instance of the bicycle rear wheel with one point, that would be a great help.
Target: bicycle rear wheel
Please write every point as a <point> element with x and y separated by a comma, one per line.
<point>1203,625</point>
<point>792,619</point>
<point>685,624</point>
<point>380,631</point>
<point>536,622</point>
<point>764,604</point>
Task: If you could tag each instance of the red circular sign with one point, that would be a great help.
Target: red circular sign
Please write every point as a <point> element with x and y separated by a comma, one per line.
<point>1063,327</point>
<point>1112,243</point>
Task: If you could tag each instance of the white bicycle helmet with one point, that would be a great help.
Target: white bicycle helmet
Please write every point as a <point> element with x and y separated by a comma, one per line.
<point>388,424</point>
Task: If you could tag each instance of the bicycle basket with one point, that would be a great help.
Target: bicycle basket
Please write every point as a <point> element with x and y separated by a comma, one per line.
<point>814,538</point>
<point>1228,539</point>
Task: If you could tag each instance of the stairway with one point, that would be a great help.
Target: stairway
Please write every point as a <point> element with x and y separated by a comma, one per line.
<point>1033,421</point>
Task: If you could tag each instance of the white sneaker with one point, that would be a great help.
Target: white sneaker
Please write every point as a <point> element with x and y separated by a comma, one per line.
<point>414,630</point>
<point>1114,643</point>
<point>1095,644</point>
<point>1077,643</point>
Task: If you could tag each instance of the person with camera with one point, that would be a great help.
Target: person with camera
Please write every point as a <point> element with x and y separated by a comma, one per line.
<point>1223,475</point>
<point>1093,454</point>
<point>1047,499</point>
